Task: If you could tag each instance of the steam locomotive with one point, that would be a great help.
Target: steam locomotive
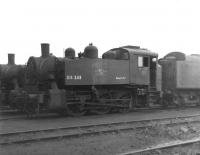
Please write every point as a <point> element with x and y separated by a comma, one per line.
<point>180,79</point>
<point>11,78</point>
<point>124,78</point>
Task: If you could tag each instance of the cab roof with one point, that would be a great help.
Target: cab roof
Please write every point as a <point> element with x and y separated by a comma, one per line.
<point>138,51</point>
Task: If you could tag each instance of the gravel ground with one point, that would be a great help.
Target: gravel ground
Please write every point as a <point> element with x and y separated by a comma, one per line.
<point>52,122</point>
<point>108,144</point>
<point>103,144</point>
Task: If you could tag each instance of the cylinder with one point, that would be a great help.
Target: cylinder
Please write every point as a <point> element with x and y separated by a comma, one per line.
<point>11,59</point>
<point>44,50</point>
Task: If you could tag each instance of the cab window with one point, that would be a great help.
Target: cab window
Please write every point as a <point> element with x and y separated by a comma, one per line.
<point>143,61</point>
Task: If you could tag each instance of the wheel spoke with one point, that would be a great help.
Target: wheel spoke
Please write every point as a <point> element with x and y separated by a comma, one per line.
<point>125,103</point>
<point>103,109</point>
<point>76,109</point>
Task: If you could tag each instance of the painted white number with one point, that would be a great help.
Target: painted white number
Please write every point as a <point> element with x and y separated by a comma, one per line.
<point>73,77</point>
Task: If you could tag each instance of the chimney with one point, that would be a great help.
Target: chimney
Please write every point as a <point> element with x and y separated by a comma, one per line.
<point>11,59</point>
<point>45,50</point>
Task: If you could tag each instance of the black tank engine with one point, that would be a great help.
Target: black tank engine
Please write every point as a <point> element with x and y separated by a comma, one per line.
<point>124,78</point>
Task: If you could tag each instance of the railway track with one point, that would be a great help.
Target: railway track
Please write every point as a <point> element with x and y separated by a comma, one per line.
<point>24,116</point>
<point>12,118</point>
<point>9,111</point>
<point>16,115</point>
<point>164,146</point>
<point>4,107</point>
<point>28,136</point>
<point>10,114</point>
<point>17,112</point>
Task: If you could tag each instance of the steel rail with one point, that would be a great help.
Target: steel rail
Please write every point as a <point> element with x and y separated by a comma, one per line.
<point>163,146</point>
<point>89,129</point>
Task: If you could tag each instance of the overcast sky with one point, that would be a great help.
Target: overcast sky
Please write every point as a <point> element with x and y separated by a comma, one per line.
<point>162,26</point>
